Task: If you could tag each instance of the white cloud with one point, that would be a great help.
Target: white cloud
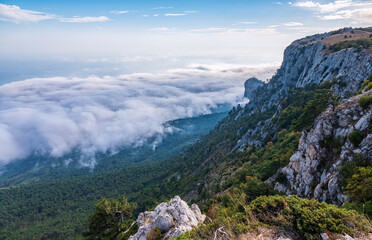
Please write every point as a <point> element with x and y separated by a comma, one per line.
<point>162,29</point>
<point>248,23</point>
<point>13,13</point>
<point>174,14</point>
<point>212,29</point>
<point>84,19</point>
<point>119,12</point>
<point>359,11</point>
<point>293,24</point>
<point>54,116</point>
<point>162,8</point>
<point>135,59</point>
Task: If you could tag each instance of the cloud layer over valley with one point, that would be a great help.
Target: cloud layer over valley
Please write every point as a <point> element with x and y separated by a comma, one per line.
<point>54,116</point>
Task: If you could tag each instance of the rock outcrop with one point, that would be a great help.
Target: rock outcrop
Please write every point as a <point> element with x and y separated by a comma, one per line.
<point>308,61</point>
<point>250,85</point>
<point>313,169</point>
<point>172,219</point>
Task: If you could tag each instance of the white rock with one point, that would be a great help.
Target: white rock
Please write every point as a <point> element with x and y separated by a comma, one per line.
<point>173,219</point>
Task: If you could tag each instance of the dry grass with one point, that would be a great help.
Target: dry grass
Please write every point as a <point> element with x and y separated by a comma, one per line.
<point>333,39</point>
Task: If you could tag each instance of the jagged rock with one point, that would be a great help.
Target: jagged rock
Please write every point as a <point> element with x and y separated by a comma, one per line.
<point>306,61</point>
<point>173,219</point>
<point>250,85</point>
<point>313,169</point>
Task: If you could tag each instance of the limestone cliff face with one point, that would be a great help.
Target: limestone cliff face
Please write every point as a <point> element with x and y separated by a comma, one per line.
<point>308,61</point>
<point>313,169</point>
<point>250,85</point>
<point>173,219</point>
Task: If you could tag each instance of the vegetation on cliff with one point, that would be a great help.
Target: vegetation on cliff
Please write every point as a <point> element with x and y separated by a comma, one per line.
<point>304,218</point>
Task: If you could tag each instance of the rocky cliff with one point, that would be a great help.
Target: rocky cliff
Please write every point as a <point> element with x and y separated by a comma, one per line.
<point>309,61</point>
<point>250,85</point>
<point>171,219</point>
<point>313,169</point>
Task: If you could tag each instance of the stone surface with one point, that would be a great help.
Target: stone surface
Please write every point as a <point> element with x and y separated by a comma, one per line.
<point>250,85</point>
<point>173,219</point>
<point>313,169</point>
<point>306,62</point>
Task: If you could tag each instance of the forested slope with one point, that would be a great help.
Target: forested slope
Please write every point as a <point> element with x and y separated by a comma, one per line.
<point>225,171</point>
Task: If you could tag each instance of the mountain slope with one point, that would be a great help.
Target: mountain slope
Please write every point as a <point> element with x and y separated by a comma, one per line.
<point>228,166</point>
<point>313,171</point>
<point>267,130</point>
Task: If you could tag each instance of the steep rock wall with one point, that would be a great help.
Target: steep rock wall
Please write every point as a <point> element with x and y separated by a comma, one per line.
<point>313,169</point>
<point>307,61</point>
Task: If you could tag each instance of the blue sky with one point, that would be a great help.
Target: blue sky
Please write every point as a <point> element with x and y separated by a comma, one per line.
<point>151,35</point>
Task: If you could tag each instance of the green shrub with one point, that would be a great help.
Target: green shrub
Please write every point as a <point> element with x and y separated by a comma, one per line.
<point>365,101</point>
<point>368,208</point>
<point>281,177</point>
<point>254,188</point>
<point>353,206</point>
<point>323,98</point>
<point>110,219</point>
<point>359,186</point>
<point>309,217</point>
<point>154,234</point>
<point>355,137</point>
<point>351,168</point>
<point>359,44</point>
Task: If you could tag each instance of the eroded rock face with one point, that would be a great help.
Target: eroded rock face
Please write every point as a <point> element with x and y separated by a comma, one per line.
<point>306,61</point>
<point>173,219</point>
<point>313,169</point>
<point>250,85</point>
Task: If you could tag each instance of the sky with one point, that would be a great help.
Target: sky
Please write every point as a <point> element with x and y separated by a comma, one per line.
<point>160,34</point>
<point>98,75</point>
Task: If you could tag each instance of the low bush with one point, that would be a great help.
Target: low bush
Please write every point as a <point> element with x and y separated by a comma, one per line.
<point>355,137</point>
<point>307,218</point>
<point>359,44</point>
<point>359,186</point>
<point>365,101</point>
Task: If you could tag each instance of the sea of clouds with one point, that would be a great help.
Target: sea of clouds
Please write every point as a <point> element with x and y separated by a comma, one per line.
<point>54,116</point>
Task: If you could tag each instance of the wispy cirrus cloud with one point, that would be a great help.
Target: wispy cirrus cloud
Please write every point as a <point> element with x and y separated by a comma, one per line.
<point>174,14</point>
<point>357,11</point>
<point>162,29</point>
<point>13,13</point>
<point>162,7</point>
<point>247,23</point>
<point>84,19</point>
<point>118,12</point>
<point>293,24</point>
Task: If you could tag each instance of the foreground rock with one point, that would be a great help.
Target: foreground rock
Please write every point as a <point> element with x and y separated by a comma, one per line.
<point>172,219</point>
